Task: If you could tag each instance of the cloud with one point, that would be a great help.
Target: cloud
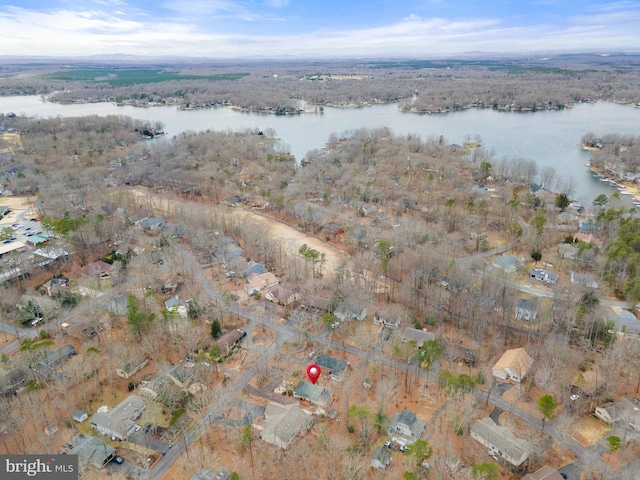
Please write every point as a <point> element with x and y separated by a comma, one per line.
<point>99,30</point>
<point>276,3</point>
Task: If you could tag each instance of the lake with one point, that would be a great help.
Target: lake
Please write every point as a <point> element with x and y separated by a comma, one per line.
<point>550,138</point>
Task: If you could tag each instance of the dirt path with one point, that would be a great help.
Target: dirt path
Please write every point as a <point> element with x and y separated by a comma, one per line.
<point>279,231</point>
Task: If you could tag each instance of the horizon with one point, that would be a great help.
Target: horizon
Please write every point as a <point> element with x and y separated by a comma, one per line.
<point>237,29</point>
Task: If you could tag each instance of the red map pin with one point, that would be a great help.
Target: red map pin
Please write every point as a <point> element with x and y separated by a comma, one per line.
<point>313,372</point>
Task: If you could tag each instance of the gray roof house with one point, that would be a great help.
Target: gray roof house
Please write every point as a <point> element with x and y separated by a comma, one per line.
<point>130,366</point>
<point>584,279</point>
<point>544,276</point>
<point>154,223</point>
<point>625,323</point>
<point>350,310</point>
<point>626,411</point>
<point>545,473</point>
<point>332,367</point>
<point>283,423</point>
<point>80,416</point>
<point>568,251</point>
<point>13,380</point>
<point>119,422</point>
<point>253,267</point>
<point>222,474</point>
<point>119,305</point>
<point>91,451</point>
<point>419,336</point>
<point>381,458</point>
<point>501,441</point>
<point>527,310</point>
<point>314,394</point>
<point>405,428</point>
<point>507,263</point>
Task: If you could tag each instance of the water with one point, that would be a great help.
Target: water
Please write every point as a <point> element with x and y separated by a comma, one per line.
<point>550,138</point>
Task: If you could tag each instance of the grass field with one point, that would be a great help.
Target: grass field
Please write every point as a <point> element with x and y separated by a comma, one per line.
<point>126,77</point>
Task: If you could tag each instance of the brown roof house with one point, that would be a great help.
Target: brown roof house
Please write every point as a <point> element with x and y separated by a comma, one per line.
<point>119,422</point>
<point>545,473</point>
<point>229,340</point>
<point>501,441</point>
<point>260,281</point>
<point>283,423</point>
<point>405,428</point>
<point>281,295</point>
<point>513,365</point>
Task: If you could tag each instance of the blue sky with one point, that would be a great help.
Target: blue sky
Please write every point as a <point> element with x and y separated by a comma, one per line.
<point>321,28</point>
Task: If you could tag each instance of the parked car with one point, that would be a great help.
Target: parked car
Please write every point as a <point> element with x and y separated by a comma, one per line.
<point>311,354</point>
<point>403,448</point>
<point>118,460</point>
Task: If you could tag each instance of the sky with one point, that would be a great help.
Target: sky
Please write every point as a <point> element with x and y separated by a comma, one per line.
<point>320,28</point>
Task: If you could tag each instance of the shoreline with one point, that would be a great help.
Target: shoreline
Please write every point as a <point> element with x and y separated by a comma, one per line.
<point>624,187</point>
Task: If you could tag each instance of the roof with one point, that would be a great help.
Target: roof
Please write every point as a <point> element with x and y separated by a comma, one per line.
<point>96,268</point>
<point>313,393</point>
<point>283,423</point>
<point>91,451</point>
<point>545,473</point>
<point>625,322</point>
<point>10,247</point>
<point>50,252</point>
<point>625,409</point>
<point>36,239</point>
<point>230,338</point>
<point>382,454</point>
<point>55,357</point>
<point>333,364</point>
<point>174,302</point>
<point>121,417</point>
<point>502,438</point>
<point>507,262</point>
<point>516,360</point>
<point>419,336</point>
<point>409,419</point>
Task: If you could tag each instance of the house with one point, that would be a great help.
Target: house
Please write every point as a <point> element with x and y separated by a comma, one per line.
<point>227,250</point>
<point>119,422</point>
<point>283,423</point>
<point>229,340</point>
<point>350,310</point>
<point>381,458</point>
<point>386,319</point>
<point>527,310</point>
<point>545,473</point>
<point>501,441</point>
<point>458,353</point>
<point>282,296</point>
<point>587,384</point>
<point>315,304</point>
<point>156,386</point>
<point>154,223</point>
<point>34,240</point>
<point>97,269</point>
<point>221,474</point>
<point>91,451</point>
<point>252,267</point>
<point>119,305</point>
<point>52,359</point>
<point>332,367</point>
<point>513,365</point>
<point>260,281</point>
<point>314,394</point>
<point>587,238</point>
<point>176,306</point>
<point>507,263</point>
<point>626,411</point>
<point>13,381</point>
<point>624,324</point>
<point>12,247</point>
<point>80,416</point>
<point>418,336</point>
<point>584,279</point>
<point>169,288</point>
<point>544,276</point>
<point>405,428</point>
<point>55,286</point>
<point>568,251</point>
<point>181,375</point>
<point>130,366</point>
